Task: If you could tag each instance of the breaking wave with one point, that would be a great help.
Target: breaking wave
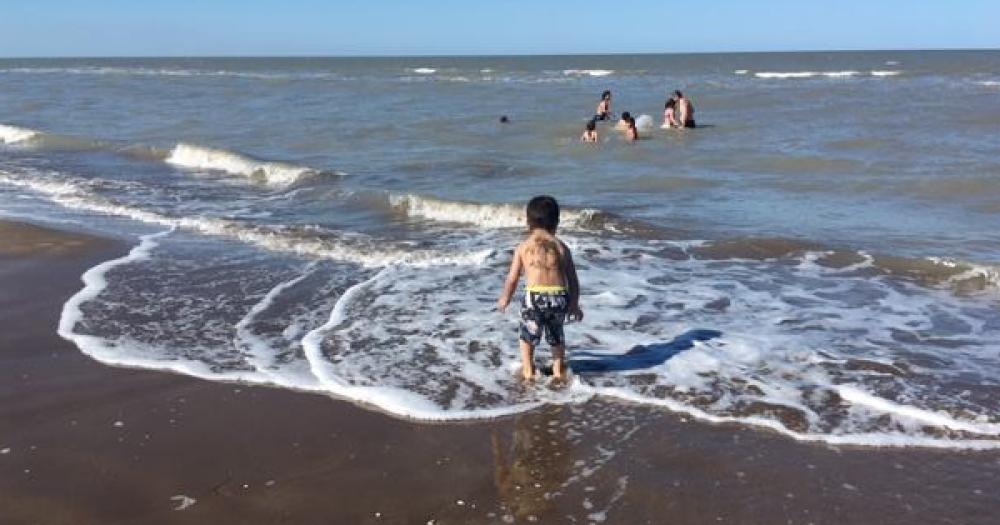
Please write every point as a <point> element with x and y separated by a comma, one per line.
<point>588,72</point>
<point>272,173</point>
<point>826,74</point>
<point>336,246</point>
<point>15,135</point>
<point>486,215</point>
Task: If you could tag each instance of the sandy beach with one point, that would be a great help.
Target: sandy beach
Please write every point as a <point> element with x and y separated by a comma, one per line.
<point>86,443</point>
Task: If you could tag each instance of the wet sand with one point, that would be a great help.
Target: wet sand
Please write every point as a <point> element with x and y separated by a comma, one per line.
<point>81,443</point>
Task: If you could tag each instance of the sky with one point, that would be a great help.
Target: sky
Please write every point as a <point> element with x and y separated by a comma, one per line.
<point>36,28</point>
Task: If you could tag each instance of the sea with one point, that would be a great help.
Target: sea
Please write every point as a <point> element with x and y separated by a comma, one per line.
<point>820,258</point>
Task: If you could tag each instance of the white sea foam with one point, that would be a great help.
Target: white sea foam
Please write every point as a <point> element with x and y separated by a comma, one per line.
<point>424,70</point>
<point>588,72</point>
<point>860,397</point>
<point>14,134</point>
<point>805,74</point>
<point>826,74</point>
<point>774,348</point>
<point>989,83</point>
<point>201,157</point>
<point>789,74</point>
<point>350,248</point>
<point>772,344</point>
<point>741,71</point>
<point>482,215</point>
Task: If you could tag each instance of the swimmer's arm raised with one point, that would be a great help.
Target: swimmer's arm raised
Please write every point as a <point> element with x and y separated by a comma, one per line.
<point>513,276</point>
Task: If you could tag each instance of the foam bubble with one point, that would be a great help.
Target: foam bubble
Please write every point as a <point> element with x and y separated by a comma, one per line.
<point>200,157</point>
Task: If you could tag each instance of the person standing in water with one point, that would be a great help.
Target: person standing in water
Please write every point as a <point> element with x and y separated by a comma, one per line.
<point>686,110</point>
<point>669,114</point>
<point>590,133</point>
<point>604,107</point>
<point>552,290</point>
<point>631,132</point>
<point>622,124</point>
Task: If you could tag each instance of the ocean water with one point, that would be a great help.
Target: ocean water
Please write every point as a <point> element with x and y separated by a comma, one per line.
<point>818,259</point>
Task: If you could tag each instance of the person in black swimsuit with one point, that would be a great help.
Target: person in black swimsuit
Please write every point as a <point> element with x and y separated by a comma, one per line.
<point>604,106</point>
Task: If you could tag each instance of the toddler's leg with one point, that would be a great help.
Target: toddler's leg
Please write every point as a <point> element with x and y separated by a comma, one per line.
<point>558,361</point>
<point>527,360</point>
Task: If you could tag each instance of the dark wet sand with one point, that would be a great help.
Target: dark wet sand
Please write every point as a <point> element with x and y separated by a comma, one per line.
<point>263,455</point>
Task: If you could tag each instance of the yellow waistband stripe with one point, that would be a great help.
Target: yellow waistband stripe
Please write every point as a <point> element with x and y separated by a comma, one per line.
<point>546,288</point>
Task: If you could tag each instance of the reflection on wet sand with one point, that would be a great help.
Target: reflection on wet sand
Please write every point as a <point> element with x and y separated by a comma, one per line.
<point>534,466</point>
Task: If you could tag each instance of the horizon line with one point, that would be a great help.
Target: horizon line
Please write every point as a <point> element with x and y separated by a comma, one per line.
<point>509,55</point>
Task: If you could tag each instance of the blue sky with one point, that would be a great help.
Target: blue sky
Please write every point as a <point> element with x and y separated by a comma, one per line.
<point>394,27</point>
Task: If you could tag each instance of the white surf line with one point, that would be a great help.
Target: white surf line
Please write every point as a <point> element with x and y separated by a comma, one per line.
<point>93,346</point>
<point>259,349</point>
<point>870,439</point>
<point>394,401</point>
<point>70,196</point>
<point>94,282</point>
<point>96,348</point>
<point>860,397</point>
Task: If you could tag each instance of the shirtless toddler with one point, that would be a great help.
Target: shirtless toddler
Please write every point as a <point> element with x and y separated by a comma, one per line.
<point>552,289</point>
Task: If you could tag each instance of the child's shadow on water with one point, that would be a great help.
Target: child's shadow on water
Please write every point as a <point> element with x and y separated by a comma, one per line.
<point>639,357</point>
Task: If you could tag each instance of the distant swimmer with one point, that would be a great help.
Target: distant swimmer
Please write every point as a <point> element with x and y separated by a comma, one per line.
<point>631,132</point>
<point>504,119</point>
<point>590,132</point>
<point>686,109</point>
<point>669,114</point>
<point>604,107</point>
<point>552,290</point>
<point>622,124</point>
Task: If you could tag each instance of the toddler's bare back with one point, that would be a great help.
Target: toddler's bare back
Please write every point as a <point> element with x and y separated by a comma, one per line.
<point>544,259</point>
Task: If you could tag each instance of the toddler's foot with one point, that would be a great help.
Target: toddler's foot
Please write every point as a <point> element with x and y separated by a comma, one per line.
<point>527,373</point>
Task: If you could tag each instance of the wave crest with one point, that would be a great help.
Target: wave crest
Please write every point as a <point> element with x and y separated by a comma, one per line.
<point>813,74</point>
<point>588,72</point>
<point>273,173</point>
<point>15,135</point>
<point>486,215</point>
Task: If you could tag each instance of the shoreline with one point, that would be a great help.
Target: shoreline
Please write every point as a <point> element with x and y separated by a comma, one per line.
<point>89,443</point>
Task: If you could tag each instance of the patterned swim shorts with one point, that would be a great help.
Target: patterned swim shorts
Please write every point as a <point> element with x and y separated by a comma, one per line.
<point>543,311</point>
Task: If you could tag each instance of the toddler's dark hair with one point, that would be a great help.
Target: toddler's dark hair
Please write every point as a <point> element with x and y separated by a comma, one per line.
<point>591,125</point>
<point>626,115</point>
<point>543,212</point>
<point>606,94</point>
<point>670,103</point>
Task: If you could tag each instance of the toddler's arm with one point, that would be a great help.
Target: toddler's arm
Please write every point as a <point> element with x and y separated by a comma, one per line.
<point>510,285</point>
<point>573,283</point>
